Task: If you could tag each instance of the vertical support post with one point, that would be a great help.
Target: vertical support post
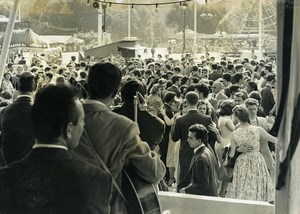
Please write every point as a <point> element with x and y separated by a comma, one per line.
<point>100,25</point>
<point>260,20</point>
<point>7,37</point>
<point>129,21</point>
<point>195,28</point>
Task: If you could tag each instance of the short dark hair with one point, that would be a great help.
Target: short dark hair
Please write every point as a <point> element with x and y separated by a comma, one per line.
<point>200,131</point>
<point>83,74</point>
<point>234,88</point>
<point>103,80</point>
<point>253,85</point>
<point>202,88</point>
<point>129,89</point>
<point>230,66</point>
<point>270,77</point>
<point>237,77</point>
<point>241,112</point>
<point>225,108</point>
<point>48,74</point>
<point>27,82</point>
<point>227,77</point>
<point>177,69</point>
<point>214,66</point>
<point>54,107</point>
<point>175,78</point>
<point>192,97</point>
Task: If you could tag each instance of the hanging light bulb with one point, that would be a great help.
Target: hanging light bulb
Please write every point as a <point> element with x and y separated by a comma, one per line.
<point>156,8</point>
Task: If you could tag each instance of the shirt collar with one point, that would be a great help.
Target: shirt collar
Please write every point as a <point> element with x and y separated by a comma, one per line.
<point>25,95</point>
<point>52,146</point>
<point>197,148</point>
<point>90,101</point>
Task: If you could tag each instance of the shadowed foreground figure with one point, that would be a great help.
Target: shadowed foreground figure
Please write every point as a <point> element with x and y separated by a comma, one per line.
<point>48,180</point>
<point>113,137</point>
<point>17,135</point>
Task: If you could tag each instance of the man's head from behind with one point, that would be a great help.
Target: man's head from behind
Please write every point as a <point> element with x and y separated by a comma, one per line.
<point>192,99</point>
<point>27,82</point>
<point>58,116</point>
<point>129,90</point>
<point>103,81</point>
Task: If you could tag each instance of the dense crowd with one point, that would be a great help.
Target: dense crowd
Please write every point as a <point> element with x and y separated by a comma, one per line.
<point>197,114</point>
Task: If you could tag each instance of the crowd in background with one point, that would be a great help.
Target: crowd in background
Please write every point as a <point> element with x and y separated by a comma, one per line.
<point>238,97</point>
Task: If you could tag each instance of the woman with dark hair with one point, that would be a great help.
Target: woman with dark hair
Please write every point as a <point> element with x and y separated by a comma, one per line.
<point>225,124</point>
<point>226,127</point>
<point>251,179</point>
<point>251,86</point>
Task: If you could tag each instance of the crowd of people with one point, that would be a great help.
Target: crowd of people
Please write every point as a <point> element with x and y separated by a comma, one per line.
<point>169,120</point>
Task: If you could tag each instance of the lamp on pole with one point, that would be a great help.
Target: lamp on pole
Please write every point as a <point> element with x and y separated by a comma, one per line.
<point>183,7</point>
<point>104,6</point>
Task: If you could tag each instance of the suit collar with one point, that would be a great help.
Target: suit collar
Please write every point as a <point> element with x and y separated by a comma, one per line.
<point>24,98</point>
<point>48,153</point>
<point>192,111</point>
<point>94,105</point>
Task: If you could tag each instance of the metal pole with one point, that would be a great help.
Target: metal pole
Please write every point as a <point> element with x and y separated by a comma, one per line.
<point>260,28</point>
<point>104,19</point>
<point>183,49</point>
<point>129,19</point>
<point>100,25</point>
<point>7,37</point>
<point>195,28</point>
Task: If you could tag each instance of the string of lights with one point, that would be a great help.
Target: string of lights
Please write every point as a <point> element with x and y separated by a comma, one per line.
<point>140,4</point>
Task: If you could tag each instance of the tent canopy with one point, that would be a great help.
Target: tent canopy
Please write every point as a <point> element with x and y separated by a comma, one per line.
<point>189,34</point>
<point>25,37</point>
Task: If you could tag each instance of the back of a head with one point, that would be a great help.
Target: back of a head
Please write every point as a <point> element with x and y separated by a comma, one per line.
<point>241,112</point>
<point>169,96</point>
<point>83,74</point>
<point>129,89</point>
<point>226,107</point>
<point>54,107</point>
<point>175,78</point>
<point>202,88</point>
<point>227,77</point>
<point>237,77</point>
<point>103,80</point>
<point>192,98</point>
<point>27,82</point>
<point>270,77</point>
<point>214,66</point>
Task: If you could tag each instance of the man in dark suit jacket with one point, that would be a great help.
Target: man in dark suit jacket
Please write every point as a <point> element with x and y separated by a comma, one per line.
<point>48,180</point>
<point>215,74</point>
<point>202,178</point>
<point>268,101</point>
<point>17,136</point>
<point>151,127</point>
<point>180,132</point>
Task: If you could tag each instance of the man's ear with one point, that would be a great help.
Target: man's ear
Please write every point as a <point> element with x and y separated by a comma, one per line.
<point>69,130</point>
